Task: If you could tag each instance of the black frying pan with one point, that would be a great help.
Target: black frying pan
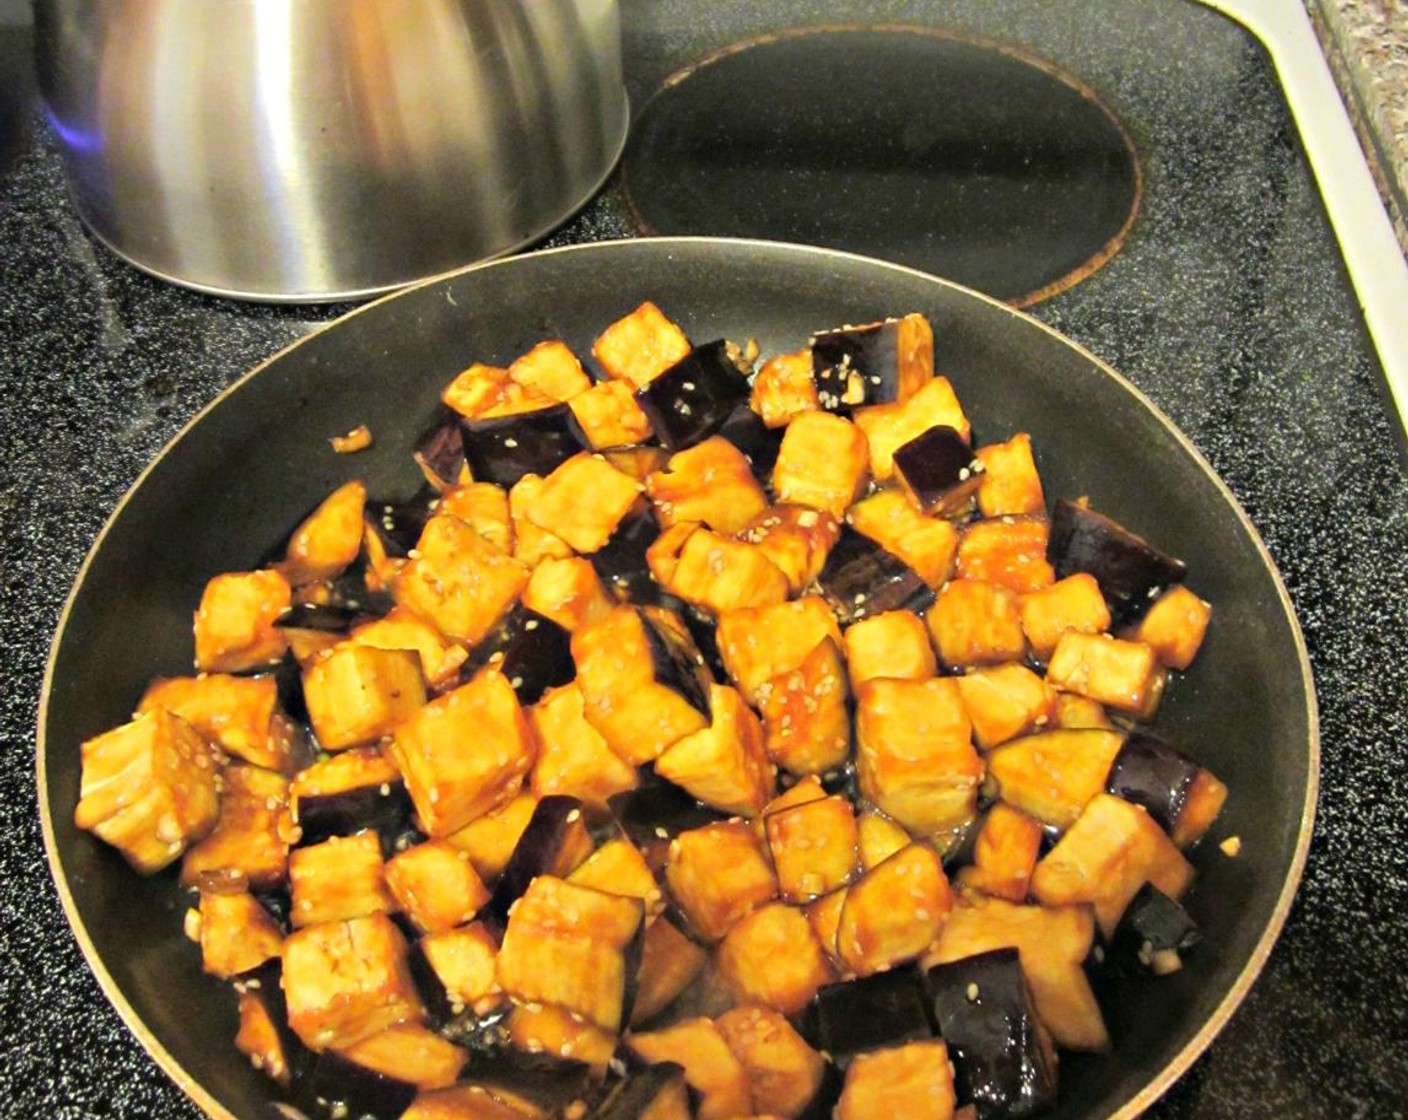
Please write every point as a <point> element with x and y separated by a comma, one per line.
<point>240,476</point>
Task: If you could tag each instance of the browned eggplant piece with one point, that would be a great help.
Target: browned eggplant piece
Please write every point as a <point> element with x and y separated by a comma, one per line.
<point>648,1092</point>
<point>384,807</point>
<point>690,401</point>
<point>556,836</point>
<point>323,618</point>
<point>547,1082</point>
<point>860,578</point>
<point>1002,1056</point>
<point>658,810</point>
<point>398,525</point>
<point>531,650</point>
<point>288,1060</point>
<point>1152,936</point>
<point>760,444</point>
<point>338,1087</point>
<point>886,1009</point>
<point>620,562</point>
<point>1151,773</point>
<point>1131,572</point>
<point>822,1106</point>
<point>677,663</point>
<point>439,450</point>
<point>875,363</point>
<point>938,469</point>
<point>502,449</point>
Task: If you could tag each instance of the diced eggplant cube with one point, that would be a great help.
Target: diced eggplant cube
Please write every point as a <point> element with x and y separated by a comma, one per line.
<point>568,591</point>
<point>772,957</point>
<point>620,562</point>
<point>1054,775</point>
<point>1123,675</point>
<point>410,1053</point>
<point>542,1028</point>
<point>237,934</point>
<point>877,363</point>
<point>929,545</point>
<point>886,1009</point>
<point>894,912</point>
<point>1054,943</point>
<point>439,452</point>
<point>1151,773</point>
<point>436,886</point>
<point>1111,851</point>
<point>938,470</point>
<point>1131,572</point>
<point>690,401</point>
<point>234,624</point>
<point>914,1081</point>
<point>489,840</point>
<point>784,388</point>
<point>466,1102</point>
<point>1010,551</point>
<point>1005,701</point>
<point>657,1092</point>
<point>759,443</point>
<point>329,539</point>
<point>709,1065</point>
<point>1005,851</point>
<point>1175,626</point>
<point>583,501</point>
<point>575,947</point>
<point>350,791</point>
<point>784,1073</point>
<point>264,1035</point>
<point>149,789</point>
<point>640,346</point>
<point>1072,603</point>
<point>345,981</point>
<point>250,842</point>
<point>552,370</point>
<point>459,580</point>
<point>1002,1056</point>
<point>455,973</point>
<point>537,1085</point>
<point>976,623</point>
<point>239,715</point>
<point>1153,935</point>
<point>894,644</point>
<point>890,426</point>
<point>502,449</point>
<point>717,573</point>
<point>726,764</point>
<point>669,963</point>
<point>341,878</point>
<point>554,843</point>
<point>449,784</point>
<point>813,846</point>
<point>658,810</point>
<point>573,758</point>
<point>537,654</point>
<point>1011,485</point>
<point>860,578</point>
<point>440,658</point>
<point>609,416</point>
<point>356,694</point>
<point>709,484</point>
<point>823,463</point>
<point>914,756</point>
<point>797,539</point>
<point>531,544</point>
<point>717,874</point>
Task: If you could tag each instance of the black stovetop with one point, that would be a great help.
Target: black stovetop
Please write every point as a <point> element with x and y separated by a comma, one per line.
<point>1227,303</point>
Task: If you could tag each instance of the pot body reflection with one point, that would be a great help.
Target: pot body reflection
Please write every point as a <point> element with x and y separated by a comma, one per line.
<point>321,149</point>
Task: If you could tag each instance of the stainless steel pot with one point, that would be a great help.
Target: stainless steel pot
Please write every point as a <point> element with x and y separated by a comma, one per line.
<point>307,150</point>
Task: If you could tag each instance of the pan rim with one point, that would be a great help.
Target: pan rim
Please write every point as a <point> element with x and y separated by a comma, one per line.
<point>1133,1107</point>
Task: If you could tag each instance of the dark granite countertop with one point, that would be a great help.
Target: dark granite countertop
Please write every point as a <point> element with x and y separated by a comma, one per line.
<point>1228,306</point>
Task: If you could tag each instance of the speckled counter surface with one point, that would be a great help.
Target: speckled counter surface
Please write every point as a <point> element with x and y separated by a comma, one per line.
<point>1227,306</point>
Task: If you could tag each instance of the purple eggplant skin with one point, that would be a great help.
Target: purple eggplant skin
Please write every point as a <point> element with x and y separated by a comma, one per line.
<point>531,650</point>
<point>937,467</point>
<point>857,366</point>
<point>1152,774</point>
<point>760,444</point>
<point>385,807</point>
<point>984,1011</point>
<point>692,399</point>
<point>439,450</point>
<point>1152,924</point>
<point>502,449</point>
<point>678,664</point>
<point>549,1082</point>
<point>620,562</point>
<point>535,854</point>
<point>1130,571</point>
<point>860,578</point>
<point>644,1092</point>
<point>398,525</point>
<point>338,1088</point>
<point>887,1009</point>
<point>822,1106</point>
<point>657,807</point>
